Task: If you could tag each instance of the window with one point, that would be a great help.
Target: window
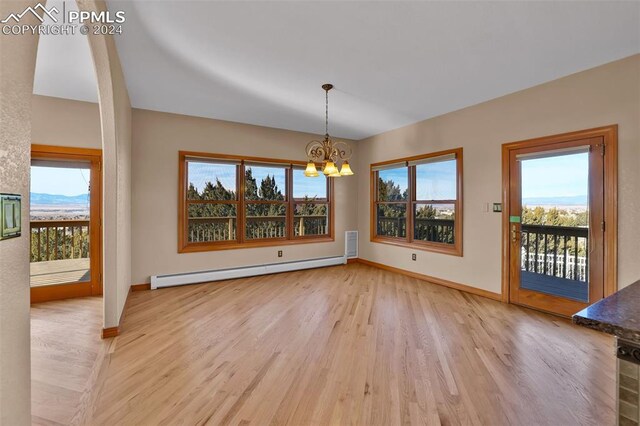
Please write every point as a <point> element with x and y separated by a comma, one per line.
<point>234,202</point>
<point>310,205</point>
<point>265,204</point>
<point>417,202</point>
<point>212,201</point>
<point>391,209</point>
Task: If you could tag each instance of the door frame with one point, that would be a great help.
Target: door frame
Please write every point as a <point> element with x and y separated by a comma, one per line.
<point>610,237</point>
<point>94,287</point>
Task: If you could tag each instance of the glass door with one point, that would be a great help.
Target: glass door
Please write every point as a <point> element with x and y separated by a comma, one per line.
<point>556,226</point>
<point>65,203</point>
<point>60,218</point>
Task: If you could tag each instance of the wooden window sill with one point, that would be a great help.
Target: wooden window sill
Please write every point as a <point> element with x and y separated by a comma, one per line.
<point>450,249</point>
<point>200,247</point>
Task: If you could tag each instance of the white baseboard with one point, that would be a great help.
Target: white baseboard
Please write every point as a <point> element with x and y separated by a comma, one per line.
<point>170,280</point>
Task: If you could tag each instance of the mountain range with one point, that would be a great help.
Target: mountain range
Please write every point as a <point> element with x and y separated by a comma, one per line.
<point>56,199</point>
<point>575,200</point>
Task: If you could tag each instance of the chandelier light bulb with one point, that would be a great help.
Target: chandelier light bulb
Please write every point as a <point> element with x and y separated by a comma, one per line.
<point>330,168</point>
<point>345,170</point>
<point>311,170</point>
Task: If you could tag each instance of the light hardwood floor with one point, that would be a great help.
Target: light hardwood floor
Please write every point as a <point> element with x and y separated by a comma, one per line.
<point>348,345</point>
<point>66,353</point>
<point>59,272</point>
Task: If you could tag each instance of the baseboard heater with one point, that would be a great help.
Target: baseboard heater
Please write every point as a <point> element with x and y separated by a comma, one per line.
<point>170,280</point>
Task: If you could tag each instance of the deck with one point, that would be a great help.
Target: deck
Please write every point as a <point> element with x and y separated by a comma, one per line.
<point>555,286</point>
<point>55,272</point>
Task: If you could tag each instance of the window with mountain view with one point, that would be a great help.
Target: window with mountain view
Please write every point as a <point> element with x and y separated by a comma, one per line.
<point>234,202</point>
<point>417,202</point>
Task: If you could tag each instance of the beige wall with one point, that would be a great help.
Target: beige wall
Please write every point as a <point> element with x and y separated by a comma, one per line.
<point>115,118</point>
<point>17,65</point>
<point>157,138</point>
<point>64,122</point>
<point>124,195</point>
<point>608,94</point>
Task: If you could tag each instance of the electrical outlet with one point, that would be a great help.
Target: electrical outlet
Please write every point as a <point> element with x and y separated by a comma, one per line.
<point>279,253</point>
<point>413,256</point>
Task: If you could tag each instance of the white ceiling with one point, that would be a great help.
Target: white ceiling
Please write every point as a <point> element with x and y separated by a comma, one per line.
<point>392,63</point>
<point>64,67</point>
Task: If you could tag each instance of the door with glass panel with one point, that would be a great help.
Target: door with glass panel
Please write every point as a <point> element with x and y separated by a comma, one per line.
<point>556,225</point>
<point>65,255</point>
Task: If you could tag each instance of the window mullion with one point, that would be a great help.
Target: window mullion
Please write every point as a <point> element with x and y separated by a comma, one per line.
<point>289,196</point>
<point>330,208</point>
<point>410,197</point>
<point>241,213</point>
<point>376,200</point>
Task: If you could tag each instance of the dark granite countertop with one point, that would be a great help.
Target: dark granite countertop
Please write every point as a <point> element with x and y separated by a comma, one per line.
<point>618,314</point>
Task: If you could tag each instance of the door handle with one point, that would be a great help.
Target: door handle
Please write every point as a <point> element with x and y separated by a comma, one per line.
<point>514,233</point>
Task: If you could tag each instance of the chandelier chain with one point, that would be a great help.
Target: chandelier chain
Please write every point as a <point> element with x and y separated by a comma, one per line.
<point>326,112</point>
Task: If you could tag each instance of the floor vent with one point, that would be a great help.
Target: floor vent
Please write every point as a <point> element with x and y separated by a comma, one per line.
<point>351,244</point>
<point>170,280</point>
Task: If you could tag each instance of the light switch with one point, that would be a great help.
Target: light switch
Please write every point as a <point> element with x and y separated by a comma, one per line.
<point>10,215</point>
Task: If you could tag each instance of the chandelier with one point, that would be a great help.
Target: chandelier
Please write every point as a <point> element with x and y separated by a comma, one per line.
<point>327,151</point>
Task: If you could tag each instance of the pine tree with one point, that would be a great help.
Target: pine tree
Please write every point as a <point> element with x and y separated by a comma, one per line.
<point>269,189</point>
<point>389,191</point>
<point>426,212</point>
<point>250,185</point>
<point>192,192</point>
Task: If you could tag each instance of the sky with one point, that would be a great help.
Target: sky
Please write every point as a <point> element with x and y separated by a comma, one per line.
<point>560,176</point>
<point>310,186</point>
<point>201,173</point>
<point>434,181</point>
<point>59,181</point>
